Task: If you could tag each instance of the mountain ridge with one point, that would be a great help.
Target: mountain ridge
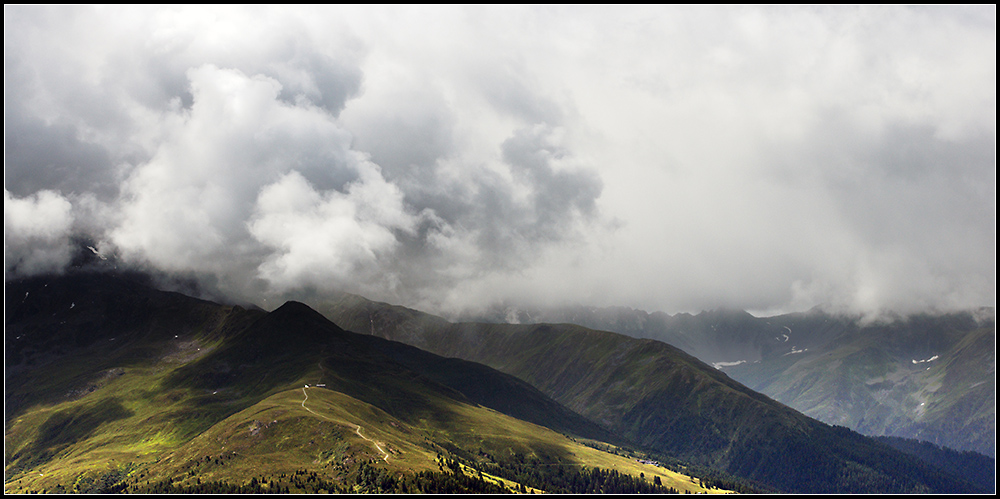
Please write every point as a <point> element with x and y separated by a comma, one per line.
<point>164,379</point>
<point>578,367</point>
<point>837,368</point>
<point>188,365</point>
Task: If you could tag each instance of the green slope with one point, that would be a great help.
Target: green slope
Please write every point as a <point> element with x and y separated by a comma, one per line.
<point>112,386</point>
<point>835,368</point>
<point>660,397</point>
<point>976,467</point>
<point>931,378</point>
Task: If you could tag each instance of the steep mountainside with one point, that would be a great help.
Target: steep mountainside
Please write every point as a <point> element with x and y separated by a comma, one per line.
<point>114,386</point>
<point>930,377</point>
<point>660,397</point>
<point>921,378</point>
<point>972,465</point>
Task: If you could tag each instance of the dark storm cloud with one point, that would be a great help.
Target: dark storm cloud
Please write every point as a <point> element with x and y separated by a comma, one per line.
<point>40,156</point>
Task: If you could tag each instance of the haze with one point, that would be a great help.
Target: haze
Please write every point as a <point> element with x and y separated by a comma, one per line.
<point>665,158</point>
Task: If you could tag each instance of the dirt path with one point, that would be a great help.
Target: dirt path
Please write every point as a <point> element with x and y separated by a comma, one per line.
<point>357,429</point>
<point>385,455</point>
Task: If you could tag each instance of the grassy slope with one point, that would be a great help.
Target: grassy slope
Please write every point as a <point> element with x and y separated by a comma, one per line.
<point>206,392</point>
<point>276,435</point>
<point>966,404</point>
<point>832,377</point>
<point>867,382</point>
<point>972,465</point>
<point>661,397</point>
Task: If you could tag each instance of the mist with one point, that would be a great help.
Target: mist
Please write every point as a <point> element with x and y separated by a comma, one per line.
<point>771,159</point>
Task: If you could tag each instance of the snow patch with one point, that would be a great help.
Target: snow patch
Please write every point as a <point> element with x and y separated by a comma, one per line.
<point>932,359</point>
<point>720,365</point>
<point>796,351</point>
<point>99,255</point>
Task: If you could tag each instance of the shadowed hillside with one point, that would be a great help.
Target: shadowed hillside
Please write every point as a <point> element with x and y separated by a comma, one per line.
<point>926,376</point>
<point>661,397</point>
<point>115,386</point>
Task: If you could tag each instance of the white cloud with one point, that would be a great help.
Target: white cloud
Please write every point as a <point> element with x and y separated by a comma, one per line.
<point>186,207</point>
<point>36,233</point>
<point>330,240</point>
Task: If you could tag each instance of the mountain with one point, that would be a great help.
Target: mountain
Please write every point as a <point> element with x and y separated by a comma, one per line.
<point>660,397</point>
<point>713,336</point>
<point>925,376</point>
<point>972,465</point>
<point>112,385</point>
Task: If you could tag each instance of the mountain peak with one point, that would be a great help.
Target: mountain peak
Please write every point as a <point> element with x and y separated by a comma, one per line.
<point>295,313</point>
<point>293,307</point>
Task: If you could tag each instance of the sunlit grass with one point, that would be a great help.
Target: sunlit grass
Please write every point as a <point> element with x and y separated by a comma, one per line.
<point>156,410</point>
<point>151,443</point>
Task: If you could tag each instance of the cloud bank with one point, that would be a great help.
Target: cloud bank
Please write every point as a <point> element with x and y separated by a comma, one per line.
<point>674,159</point>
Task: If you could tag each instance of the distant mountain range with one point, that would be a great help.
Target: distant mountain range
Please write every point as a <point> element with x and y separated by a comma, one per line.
<point>113,385</point>
<point>929,377</point>
<point>652,393</point>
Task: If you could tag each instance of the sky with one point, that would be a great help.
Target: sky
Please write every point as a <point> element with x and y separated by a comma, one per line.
<point>676,159</point>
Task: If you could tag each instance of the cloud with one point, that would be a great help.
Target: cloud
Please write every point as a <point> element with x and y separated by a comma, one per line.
<point>36,233</point>
<point>40,156</point>
<point>330,241</point>
<point>185,207</point>
<point>677,159</point>
<point>208,200</point>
